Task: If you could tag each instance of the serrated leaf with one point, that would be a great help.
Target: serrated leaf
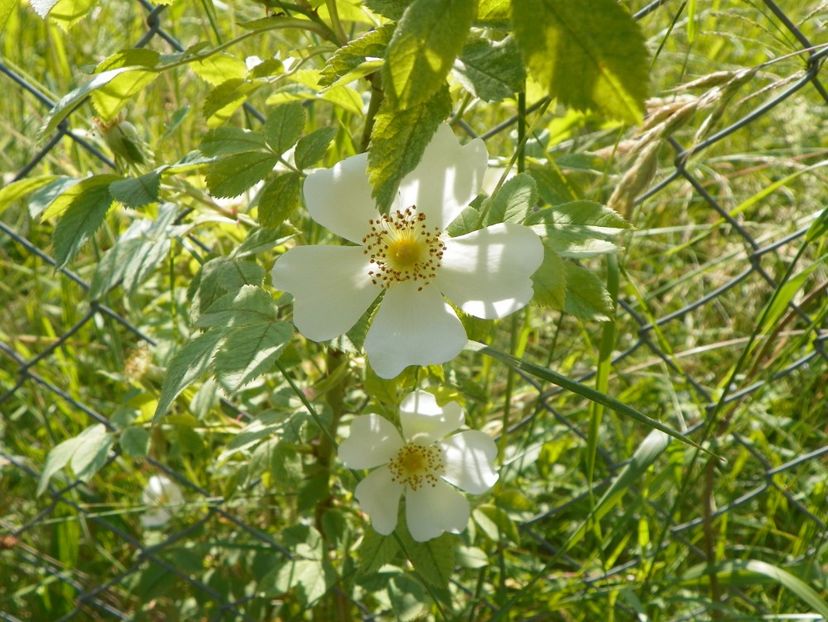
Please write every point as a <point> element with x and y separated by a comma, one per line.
<point>589,55</point>
<point>109,98</point>
<point>283,126</point>
<point>311,148</point>
<point>309,577</point>
<point>186,366</point>
<point>135,441</point>
<point>231,176</point>
<point>586,296</point>
<point>249,351</point>
<point>491,70</point>
<point>135,254</point>
<point>398,142</point>
<point>221,276</point>
<point>579,229</point>
<point>549,281</point>
<point>226,98</point>
<point>279,199</point>
<point>81,219</point>
<point>69,191</point>
<point>249,305</point>
<point>553,187</point>
<point>375,551</point>
<point>137,191</point>
<point>392,9</point>
<point>218,68</point>
<point>258,241</point>
<point>224,141</point>
<point>428,38</point>
<point>513,201</point>
<point>355,52</point>
<point>434,559</point>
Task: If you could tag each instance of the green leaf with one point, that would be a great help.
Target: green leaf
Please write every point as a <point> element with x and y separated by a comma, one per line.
<point>138,191</point>
<point>218,68</point>
<point>513,201</point>
<point>433,559</point>
<point>186,366</point>
<point>81,219</point>
<point>309,577</point>
<point>228,96</point>
<point>248,305</point>
<point>229,140</point>
<point>231,176</point>
<point>589,55</point>
<point>7,7</point>
<point>582,390</point>
<point>491,70</point>
<point>221,276</point>
<point>135,441</point>
<point>375,551</point>
<point>283,126</point>
<point>408,598</point>
<point>16,190</point>
<point>398,142</point>
<point>279,199</point>
<point>109,98</point>
<point>392,9</point>
<point>549,281</point>
<point>71,190</point>
<point>352,54</point>
<point>250,351</point>
<point>784,294</point>
<point>85,453</point>
<point>579,229</point>
<point>428,38</point>
<point>553,187</point>
<point>135,254</point>
<point>586,296</point>
<point>495,523</point>
<point>91,452</point>
<point>71,100</point>
<point>258,241</point>
<point>311,148</point>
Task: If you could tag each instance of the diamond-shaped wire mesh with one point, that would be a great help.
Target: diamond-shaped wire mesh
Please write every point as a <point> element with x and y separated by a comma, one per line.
<point>110,581</point>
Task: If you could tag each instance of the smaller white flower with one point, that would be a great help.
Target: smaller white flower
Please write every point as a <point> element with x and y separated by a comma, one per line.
<point>160,495</point>
<point>425,463</point>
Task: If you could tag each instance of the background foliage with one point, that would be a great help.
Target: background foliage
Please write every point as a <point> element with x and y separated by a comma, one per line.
<point>141,291</point>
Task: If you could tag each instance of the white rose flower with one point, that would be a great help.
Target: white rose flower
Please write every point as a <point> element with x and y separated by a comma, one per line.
<point>425,464</point>
<point>408,256</point>
<point>160,494</point>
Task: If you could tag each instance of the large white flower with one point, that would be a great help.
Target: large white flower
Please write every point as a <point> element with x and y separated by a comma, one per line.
<point>160,495</point>
<point>421,463</point>
<point>406,254</point>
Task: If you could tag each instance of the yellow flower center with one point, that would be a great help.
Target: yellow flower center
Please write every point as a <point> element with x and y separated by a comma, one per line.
<point>401,248</point>
<point>415,465</point>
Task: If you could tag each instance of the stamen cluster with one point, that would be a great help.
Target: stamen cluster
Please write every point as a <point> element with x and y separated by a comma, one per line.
<point>415,465</point>
<point>403,248</point>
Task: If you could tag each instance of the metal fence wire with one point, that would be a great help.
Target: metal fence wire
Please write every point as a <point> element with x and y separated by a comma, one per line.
<point>187,555</point>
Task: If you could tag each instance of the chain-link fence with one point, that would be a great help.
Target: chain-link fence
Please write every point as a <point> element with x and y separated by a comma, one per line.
<point>111,579</point>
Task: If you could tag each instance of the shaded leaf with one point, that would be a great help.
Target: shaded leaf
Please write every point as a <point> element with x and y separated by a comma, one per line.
<point>398,142</point>
<point>549,281</point>
<point>352,54</point>
<point>513,201</point>
<point>137,191</point>
<point>491,70</point>
<point>81,219</point>
<point>311,148</point>
<point>283,126</point>
<point>229,140</point>
<point>434,559</point>
<point>428,38</point>
<point>589,55</point>
<point>189,362</point>
<point>135,441</point>
<point>586,296</point>
<point>249,351</point>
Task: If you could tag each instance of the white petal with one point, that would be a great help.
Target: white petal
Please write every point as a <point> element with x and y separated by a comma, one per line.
<point>380,498</point>
<point>330,286</point>
<point>155,518</point>
<point>431,510</point>
<point>447,178</point>
<point>373,441</point>
<point>413,328</point>
<point>162,491</point>
<point>470,457</point>
<point>488,272</point>
<point>339,198</point>
<point>422,418</point>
